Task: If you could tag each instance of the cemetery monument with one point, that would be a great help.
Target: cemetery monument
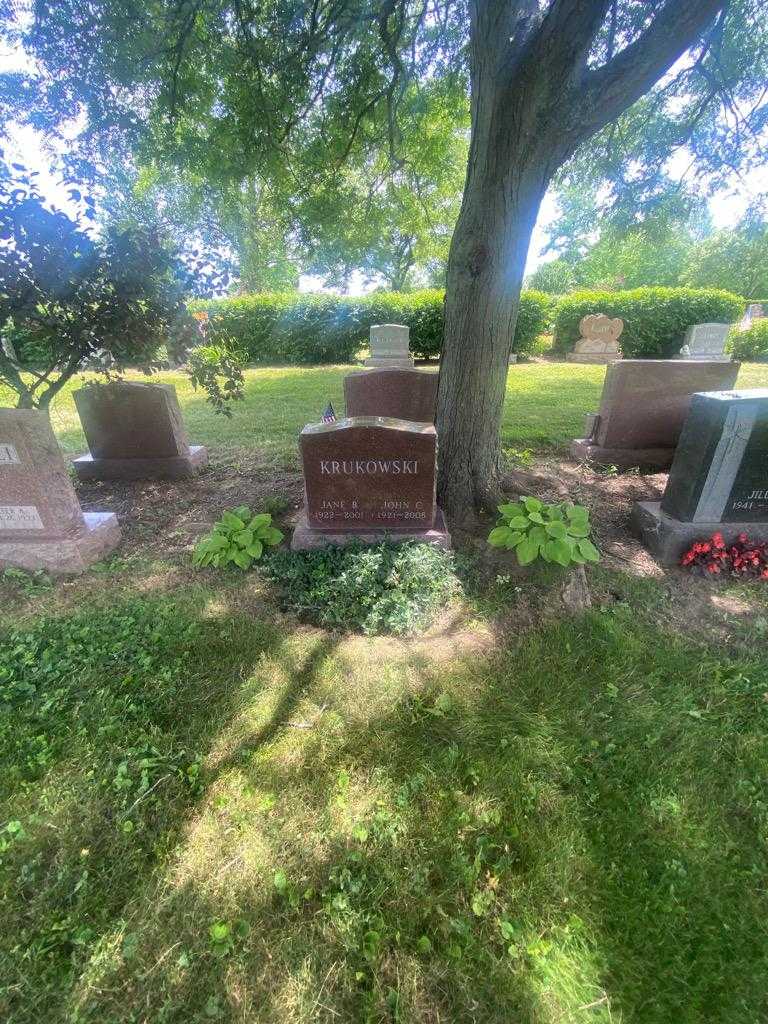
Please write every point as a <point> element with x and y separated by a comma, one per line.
<point>368,479</point>
<point>41,523</point>
<point>599,340</point>
<point>389,345</point>
<point>718,480</point>
<point>134,431</point>
<point>705,341</point>
<point>643,408</point>
<point>400,394</point>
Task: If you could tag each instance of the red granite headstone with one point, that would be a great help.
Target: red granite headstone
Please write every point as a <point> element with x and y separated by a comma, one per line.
<point>134,430</point>
<point>400,394</point>
<point>643,408</point>
<point>366,473</point>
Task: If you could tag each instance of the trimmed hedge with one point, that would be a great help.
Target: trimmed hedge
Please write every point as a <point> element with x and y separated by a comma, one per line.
<point>655,319</point>
<point>752,343</point>
<point>292,327</point>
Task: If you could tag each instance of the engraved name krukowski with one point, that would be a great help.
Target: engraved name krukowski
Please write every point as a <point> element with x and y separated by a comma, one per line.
<point>368,467</point>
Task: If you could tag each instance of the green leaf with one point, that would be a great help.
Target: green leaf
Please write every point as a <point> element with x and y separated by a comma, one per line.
<point>527,551</point>
<point>255,550</point>
<point>241,558</point>
<point>280,881</point>
<point>559,551</point>
<point>499,536</point>
<point>588,550</point>
<point>575,530</point>
<point>242,512</point>
<point>577,513</point>
<point>262,519</point>
<point>536,517</point>
<point>533,504</point>
<point>232,522</point>
<point>538,535</point>
<point>271,535</point>
<point>244,538</point>
<point>519,522</point>
<point>511,509</point>
<point>556,530</point>
<point>516,537</point>
<point>424,945</point>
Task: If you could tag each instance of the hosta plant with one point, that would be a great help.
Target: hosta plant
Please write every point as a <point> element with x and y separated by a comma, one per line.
<point>556,533</point>
<point>239,538</point>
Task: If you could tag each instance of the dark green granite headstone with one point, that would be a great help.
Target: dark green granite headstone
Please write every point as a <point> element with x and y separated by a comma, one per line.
<point>720,470</point>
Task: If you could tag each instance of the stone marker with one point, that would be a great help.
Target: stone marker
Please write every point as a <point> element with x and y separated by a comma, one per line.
<point>369,478</point>
<point>705,341</point>
<point>718,480</point>
<point>399,394</point>
<point>389,346</point>
<point>41,523</point>
<point>754,311</point>
<point>643,408</point>
<point>134,431</point>
<point>599,341</point>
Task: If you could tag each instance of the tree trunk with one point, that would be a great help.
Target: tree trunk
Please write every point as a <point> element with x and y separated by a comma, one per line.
<point>534,100</point>
<point>484,278</point>
<point>507,174</point>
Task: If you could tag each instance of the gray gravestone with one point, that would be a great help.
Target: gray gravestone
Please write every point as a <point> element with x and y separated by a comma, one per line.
<point>389,345</point>
<point>41,523</point>
<point>368,478</point>
<point>134,431</point>
<point>643,408</point>
<point>719,477</point>
<point>705,341</point>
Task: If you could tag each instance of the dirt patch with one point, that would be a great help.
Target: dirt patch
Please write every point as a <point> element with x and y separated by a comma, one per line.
<point>169,516</point>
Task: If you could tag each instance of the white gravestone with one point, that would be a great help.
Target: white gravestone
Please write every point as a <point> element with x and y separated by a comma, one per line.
<point>390,346</point>
<point>705,341</point>
<point>754,311</point>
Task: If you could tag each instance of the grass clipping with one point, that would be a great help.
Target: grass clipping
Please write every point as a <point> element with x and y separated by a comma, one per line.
<point>386,589</point>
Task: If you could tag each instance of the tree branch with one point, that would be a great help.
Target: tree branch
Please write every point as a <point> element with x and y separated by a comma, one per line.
<point>611,89</point>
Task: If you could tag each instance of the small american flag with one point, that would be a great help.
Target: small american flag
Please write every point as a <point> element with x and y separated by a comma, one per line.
<point>329,416</point>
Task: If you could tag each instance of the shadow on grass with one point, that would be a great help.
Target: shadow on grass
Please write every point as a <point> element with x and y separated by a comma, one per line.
<point>570,830</point>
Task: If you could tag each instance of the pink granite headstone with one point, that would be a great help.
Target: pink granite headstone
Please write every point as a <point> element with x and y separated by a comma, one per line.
<point>41,523</point>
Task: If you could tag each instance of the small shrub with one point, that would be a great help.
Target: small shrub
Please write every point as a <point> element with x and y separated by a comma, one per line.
<point>239,538</point>
<point>752,343</point>
<point>556,533</point>
<point>655,319</point>
<point>741,558</point>
<point>388,588</point>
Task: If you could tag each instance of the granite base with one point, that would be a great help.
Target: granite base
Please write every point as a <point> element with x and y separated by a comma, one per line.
<point>390,362</point>
<point>592,357</point>
<point>583,450</point>
<point>172,468</point>
<point>668,539</point>
<point>68,555</point>
<point>306,538</point>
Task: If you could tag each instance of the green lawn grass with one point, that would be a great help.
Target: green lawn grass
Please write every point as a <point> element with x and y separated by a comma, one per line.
<point>211,813</point>
<point>545,406</point>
